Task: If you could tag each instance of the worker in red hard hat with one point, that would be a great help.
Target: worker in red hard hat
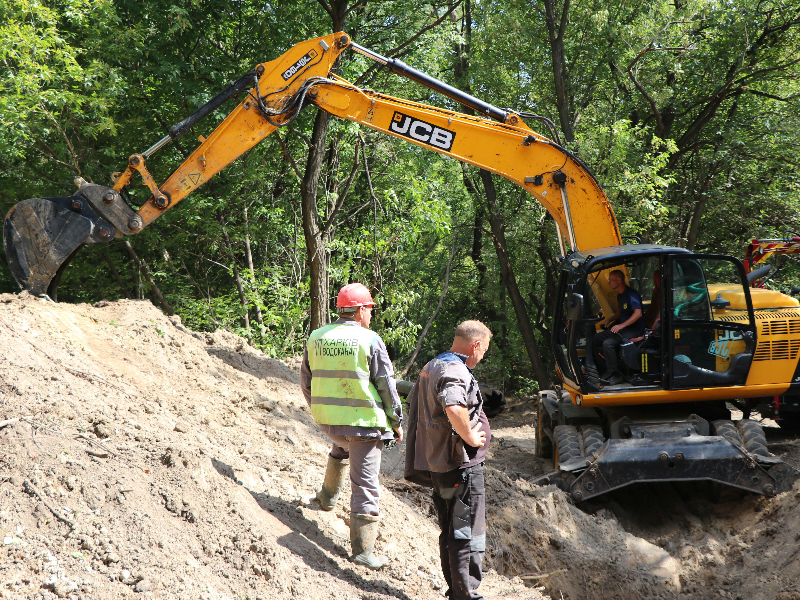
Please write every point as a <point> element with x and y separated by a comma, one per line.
<point>348,381</point>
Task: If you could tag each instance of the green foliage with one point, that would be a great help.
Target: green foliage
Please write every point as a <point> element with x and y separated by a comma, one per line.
<point>686,112</point>
<point>634,167</point>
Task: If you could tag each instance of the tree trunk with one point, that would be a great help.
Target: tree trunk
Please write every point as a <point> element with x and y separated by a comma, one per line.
<point>697,213</point>
<point>461,71</point>
<point>146,274</point>
<point>510,282</point>
<point>112,268</point>
<point>496,223</point>
<point>477,254</point>
<point>249,254</point>
<point>435,312</point>
<point>316,251</point>
<point>555,34</point>
<point>316,241</point>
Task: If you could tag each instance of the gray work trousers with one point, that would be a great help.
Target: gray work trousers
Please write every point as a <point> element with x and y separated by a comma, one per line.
<point>459,497</point>
<point>365,463</point>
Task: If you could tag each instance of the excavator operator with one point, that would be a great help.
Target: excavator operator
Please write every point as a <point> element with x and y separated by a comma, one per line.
<point>630,325</point>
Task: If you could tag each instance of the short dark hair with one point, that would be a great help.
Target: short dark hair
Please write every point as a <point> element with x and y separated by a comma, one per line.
<point>618,273</point>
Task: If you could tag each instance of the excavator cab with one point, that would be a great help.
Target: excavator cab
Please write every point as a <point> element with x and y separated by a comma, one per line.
<point>667,419</point>
<point>700,326</point>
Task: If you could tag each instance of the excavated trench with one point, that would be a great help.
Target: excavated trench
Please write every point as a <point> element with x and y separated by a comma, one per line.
<point>688,540</point>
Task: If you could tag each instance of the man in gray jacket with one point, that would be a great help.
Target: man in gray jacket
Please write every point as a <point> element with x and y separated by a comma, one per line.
<point>448,436</point>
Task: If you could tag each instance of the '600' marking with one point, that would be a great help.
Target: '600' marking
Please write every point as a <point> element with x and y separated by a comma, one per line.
<point>422,132</point>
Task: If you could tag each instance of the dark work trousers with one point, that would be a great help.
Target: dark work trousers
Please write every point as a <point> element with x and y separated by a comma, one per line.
<point>606,345</point>
<point>460,500</point>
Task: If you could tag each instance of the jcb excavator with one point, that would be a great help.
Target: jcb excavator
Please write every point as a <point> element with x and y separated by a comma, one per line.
<point>667,420</point>
<point>783,408</point>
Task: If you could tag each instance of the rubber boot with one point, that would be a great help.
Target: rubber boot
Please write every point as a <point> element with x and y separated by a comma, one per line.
<point>334,479</point>
<point>363,533</point>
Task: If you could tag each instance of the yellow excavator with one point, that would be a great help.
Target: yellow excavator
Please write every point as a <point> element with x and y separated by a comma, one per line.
<point>664,417</point>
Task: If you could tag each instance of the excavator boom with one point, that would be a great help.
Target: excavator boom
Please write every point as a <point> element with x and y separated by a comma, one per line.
<point>41,235</point>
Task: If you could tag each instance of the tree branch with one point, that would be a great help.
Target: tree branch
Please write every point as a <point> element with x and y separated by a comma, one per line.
<point>773,97</point>
<point>289,156</point>
<point>397,52</point>
<point>146,273</point>
<point>327,8</point>
<point>435,312</point>
<point>300,134</point>
<point>340,200</point>
<point>643,92</point>
<point>562,26</point>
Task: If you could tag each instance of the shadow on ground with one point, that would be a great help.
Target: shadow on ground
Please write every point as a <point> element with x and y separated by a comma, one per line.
<point>309,542</point>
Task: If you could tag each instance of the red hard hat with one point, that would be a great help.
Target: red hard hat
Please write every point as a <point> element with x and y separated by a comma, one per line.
<point>354,294</point>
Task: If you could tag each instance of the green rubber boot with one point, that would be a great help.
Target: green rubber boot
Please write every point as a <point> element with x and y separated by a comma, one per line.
<point>334,479</point>
<point>363,533</point>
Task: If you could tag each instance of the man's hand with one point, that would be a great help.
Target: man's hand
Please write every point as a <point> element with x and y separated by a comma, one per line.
<point>398,432</point>
<point>459,419</point>
<point>478,437</point>
<point>637,314</point>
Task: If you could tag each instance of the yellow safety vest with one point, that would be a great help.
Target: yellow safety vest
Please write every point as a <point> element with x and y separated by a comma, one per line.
<point>341,392</point>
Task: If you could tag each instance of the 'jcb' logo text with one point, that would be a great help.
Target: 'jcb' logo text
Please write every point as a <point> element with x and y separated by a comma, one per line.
<point>422,132</point>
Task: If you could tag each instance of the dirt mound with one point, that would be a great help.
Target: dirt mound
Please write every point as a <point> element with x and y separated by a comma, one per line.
<point>139,459</point>
<point>691,540</point>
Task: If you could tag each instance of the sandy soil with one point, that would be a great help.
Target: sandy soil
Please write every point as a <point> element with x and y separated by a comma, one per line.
<point>700,541</point>
<point>150,461</point>
<point>145,460</point>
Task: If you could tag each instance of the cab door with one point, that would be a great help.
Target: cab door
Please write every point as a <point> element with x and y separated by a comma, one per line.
<point>709,322</point>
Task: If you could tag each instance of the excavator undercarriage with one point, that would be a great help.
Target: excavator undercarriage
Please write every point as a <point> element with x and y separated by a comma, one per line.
<point>646,445</point>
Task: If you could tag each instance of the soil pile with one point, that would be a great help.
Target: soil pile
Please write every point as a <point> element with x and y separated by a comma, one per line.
<point>139,459</point>
<point>687,541</point>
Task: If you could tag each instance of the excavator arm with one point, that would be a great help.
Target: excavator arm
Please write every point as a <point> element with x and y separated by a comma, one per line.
<point>41,235</point>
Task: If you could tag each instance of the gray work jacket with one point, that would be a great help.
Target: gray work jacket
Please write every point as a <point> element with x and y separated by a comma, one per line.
<point>431,443</point>
<point>381,374</point>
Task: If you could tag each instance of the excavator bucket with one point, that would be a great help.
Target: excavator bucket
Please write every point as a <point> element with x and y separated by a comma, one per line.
<point>41,235</point>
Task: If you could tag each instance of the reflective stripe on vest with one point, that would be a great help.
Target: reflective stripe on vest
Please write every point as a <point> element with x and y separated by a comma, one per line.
<point>341,392</point>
